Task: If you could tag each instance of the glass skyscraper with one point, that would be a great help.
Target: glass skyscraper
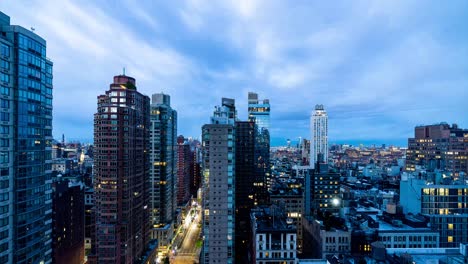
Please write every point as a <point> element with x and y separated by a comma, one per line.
<point>163,170</point>
<point>259,112</point>
<point>25,146</point>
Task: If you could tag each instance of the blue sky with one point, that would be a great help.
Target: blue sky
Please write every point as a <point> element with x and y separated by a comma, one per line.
<point>379,67</point>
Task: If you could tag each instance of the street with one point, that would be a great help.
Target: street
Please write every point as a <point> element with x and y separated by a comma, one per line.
<point>189,252</point>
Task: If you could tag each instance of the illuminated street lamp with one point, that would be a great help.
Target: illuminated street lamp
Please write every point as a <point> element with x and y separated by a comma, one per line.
<point>336,201</point>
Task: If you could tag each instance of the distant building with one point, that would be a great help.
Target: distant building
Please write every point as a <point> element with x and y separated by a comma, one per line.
<point>440,146</point>
<point>26,146</point>
<point>219,185</point>
<point>305,152</point>
<point>68,222</point>
<point>184,162</point>
<point>121,166</point>
<point>273,236</point>
<point>319,135</point>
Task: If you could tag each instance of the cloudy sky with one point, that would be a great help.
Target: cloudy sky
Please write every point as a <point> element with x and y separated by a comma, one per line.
<point>379,67</point>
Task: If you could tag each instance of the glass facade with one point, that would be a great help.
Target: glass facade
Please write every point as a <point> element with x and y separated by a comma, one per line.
<point>163,136</point>
<point>25,158</point>
<point>259,112</point>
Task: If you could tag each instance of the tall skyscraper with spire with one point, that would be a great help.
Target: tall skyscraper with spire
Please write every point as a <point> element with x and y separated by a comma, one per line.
<point>319,136</point>
<point>121,166</point>
<point>26,150</point>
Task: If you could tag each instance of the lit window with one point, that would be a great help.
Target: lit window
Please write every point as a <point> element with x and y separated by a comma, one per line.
<point>450,226</point>
<point>450,239</point>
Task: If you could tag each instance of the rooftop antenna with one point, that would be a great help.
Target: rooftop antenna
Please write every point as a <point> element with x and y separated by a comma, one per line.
<point>124,71</point>
<point>33,29</point>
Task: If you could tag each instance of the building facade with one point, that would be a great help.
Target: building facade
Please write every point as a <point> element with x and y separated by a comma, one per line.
<point>439,146</point>
<point>219,185</point>
<point>121,163</point>
<point>292,203</point>
<point>319,136</point>
<point>259,112</point>
<point>322,191</point>
<point>25,146</point>
<point>184,161</point>
<point>447,208</point>
<point>273,237</point>
<point>246,172</point>
<point>163,168</point>
<point>68,222</point>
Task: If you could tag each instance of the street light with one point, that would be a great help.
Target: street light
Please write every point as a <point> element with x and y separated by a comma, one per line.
<point>336,202</point>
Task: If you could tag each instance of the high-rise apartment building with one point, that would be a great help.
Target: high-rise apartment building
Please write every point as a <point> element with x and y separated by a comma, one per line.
<point>259,112</point>
<point>121,166</point>
<point>219,185</point>
<point>184,161</point>
<point>163,169</point>
<point>439,146</point>
<point>25,146</point>
<point>319,135</point>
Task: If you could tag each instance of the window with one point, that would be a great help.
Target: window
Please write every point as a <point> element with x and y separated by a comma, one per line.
<point>4,157</point>
<point>4,130</point>
<point>4,90</point>
<point>4,64</point>
<point>450,239</point>
<point>4,77</point>
<point>5,116</point>
<point>4,142</point>
<point>5,50</point>
<point>4,103</point>
<point>450,226</point>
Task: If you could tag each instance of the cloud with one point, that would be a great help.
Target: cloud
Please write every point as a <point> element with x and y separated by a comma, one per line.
<point>380,68</point>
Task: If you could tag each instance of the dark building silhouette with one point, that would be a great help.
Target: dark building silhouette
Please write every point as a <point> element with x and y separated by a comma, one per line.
<point>68,222</point>
<point>246,175</point>
<point>121,163</point>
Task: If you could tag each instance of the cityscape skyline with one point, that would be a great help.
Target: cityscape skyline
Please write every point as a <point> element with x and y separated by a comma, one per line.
<point>146,192</point>
<point>367,66</point>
